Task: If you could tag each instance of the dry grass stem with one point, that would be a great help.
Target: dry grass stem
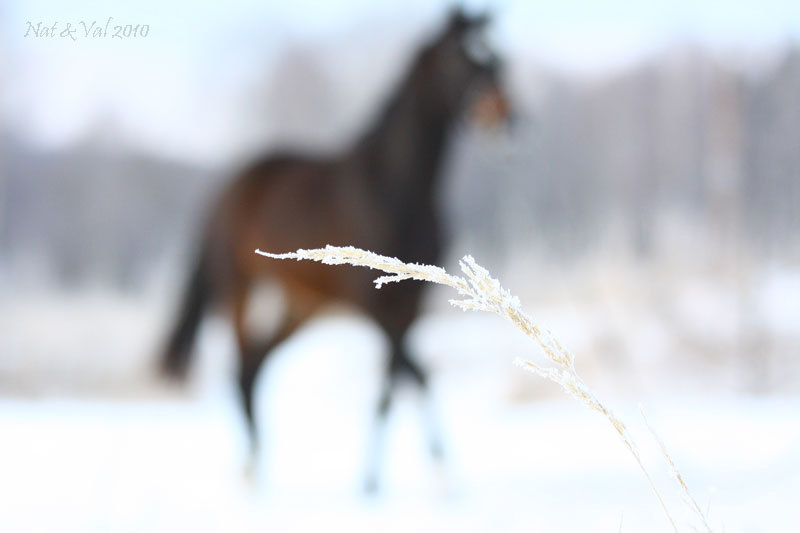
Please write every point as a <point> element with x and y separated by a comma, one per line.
<point>687,496</point>
<point>482,292</point>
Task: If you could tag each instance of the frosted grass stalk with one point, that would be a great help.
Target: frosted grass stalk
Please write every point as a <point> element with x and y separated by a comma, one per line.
<point>481,292</point>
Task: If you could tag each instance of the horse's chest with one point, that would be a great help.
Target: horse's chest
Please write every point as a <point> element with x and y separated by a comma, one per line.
<point>417,236</point>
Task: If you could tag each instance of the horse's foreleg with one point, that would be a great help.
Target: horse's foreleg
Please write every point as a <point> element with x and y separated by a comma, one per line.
<point>400,366</point>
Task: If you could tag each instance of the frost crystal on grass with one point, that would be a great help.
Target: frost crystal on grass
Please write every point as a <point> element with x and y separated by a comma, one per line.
<point>482,292</point>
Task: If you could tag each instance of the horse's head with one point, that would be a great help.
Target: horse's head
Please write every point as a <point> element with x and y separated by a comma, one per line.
<point>464,72</point>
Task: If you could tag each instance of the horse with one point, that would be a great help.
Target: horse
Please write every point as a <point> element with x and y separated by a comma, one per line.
<point>380,195</point>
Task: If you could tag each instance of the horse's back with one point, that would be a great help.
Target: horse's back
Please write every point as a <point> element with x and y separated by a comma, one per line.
<point>284,202</point>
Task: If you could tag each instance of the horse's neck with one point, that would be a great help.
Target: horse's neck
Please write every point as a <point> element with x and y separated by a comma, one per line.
<point>404,150</point>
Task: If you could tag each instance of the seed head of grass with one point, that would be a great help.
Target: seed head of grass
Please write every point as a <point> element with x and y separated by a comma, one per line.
<point>479,291</point>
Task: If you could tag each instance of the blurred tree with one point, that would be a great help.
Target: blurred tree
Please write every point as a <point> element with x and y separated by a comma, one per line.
<point>294,103</point>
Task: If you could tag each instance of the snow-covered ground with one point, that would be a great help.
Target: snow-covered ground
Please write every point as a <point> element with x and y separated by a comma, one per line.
<point>176,465</point>
<point>89,441</point>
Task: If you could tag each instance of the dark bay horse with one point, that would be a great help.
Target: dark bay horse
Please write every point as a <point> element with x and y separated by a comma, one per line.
<point>379,195</point>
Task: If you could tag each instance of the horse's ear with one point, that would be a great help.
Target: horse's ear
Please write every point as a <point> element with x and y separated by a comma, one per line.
<point>480,20</point>
<point>460,21</point>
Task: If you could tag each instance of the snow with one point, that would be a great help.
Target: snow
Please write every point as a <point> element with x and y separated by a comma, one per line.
<point>89,441</point>
<point>166,465</point>
<point>166,461</point>
<point>778,302</point>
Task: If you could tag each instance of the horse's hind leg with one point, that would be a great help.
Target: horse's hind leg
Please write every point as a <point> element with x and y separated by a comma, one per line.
<point>252,354</point>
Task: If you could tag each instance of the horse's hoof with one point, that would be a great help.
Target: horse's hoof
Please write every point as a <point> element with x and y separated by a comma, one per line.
<point>371,487</point>
<point>250,473</point>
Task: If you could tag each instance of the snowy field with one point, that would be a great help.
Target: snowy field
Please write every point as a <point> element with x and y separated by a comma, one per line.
<point>90,441</point>
<point>176,465</point>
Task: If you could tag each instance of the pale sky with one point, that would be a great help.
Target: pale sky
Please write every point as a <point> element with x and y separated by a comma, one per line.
<point>57,88</point>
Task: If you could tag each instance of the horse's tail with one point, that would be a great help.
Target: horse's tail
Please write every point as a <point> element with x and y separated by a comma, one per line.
<point>197,295</point>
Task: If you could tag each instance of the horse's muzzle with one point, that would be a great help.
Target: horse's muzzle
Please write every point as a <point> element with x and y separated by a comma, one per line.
<point>490,108</point>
